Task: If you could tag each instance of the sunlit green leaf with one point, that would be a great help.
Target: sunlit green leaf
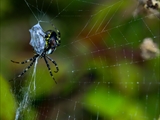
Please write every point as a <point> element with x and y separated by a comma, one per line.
<point>7,101</point>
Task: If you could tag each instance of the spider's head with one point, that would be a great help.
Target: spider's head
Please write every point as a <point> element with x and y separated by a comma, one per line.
<point>52,41</point>
<point>52,37</point>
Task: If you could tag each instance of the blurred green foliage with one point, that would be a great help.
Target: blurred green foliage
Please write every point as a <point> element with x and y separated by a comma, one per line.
<point>7,101</point>
<point>101,72</point>
<point>112,105</point>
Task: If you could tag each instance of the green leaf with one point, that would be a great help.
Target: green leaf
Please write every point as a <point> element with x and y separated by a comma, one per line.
<point>7,101</point>
<point>108,103</point>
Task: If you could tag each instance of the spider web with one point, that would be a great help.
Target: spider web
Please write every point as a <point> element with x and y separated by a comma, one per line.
<point>106,70</point>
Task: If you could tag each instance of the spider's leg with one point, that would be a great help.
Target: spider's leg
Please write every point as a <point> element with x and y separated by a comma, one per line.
<point>49,68</point>
<point>57,69</point>
<point>25,70</point>
<point>26,61</point>
<point>58,34</point>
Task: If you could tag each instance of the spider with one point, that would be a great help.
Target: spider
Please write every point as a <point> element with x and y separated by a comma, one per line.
<point>47,43</point>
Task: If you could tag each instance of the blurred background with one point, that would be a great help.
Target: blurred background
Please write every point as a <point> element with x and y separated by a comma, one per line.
<point>108,60</point>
